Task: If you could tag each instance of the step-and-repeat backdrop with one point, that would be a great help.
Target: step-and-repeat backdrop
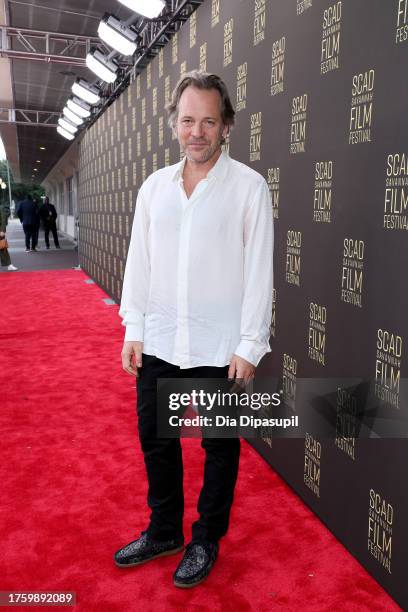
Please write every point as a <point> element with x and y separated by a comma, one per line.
<point>321,94</point>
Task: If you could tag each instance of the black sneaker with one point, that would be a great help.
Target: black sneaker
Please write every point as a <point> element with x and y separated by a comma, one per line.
<point>145,549</point>
<point>196,564</point>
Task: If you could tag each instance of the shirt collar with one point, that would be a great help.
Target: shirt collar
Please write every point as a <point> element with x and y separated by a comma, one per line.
<point>218,171</point>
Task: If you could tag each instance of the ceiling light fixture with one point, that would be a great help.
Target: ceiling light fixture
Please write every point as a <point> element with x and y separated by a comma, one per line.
<point>102,66</point>
<point>67,125</point>
<point>118,34</point>
<point>79,107</point>
<point>73,117</point>
<point>87,92</point>
<point>147,8</point>
<point>64,133</point>
<point>42,148</point>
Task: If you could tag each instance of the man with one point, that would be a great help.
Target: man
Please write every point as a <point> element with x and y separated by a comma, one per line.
<point>196,303</point>
<point>28,214</point>
<point>49,217</point>
<point>36,231</point>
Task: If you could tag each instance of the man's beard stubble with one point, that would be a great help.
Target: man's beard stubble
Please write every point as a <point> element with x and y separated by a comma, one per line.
<point>207,153</point>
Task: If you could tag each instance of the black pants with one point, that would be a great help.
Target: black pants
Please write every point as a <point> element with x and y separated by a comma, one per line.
<point>29,231</point>
<point>164,463</point>
<point>5,257</point>
<point>51,226</point>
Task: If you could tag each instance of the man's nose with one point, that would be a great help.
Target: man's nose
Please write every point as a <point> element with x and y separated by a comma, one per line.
<point>197,129</point>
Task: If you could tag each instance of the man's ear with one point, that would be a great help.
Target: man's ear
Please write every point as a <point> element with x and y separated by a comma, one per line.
<point>225,131</point>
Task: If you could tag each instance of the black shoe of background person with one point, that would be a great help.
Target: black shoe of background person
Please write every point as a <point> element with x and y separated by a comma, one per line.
<point>199,557</point>
<point>57,246</point>
<point>146,549</point>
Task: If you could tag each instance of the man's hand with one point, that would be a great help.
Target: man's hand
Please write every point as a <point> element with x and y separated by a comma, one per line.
<point>241,369</point>
<point>132,357</point>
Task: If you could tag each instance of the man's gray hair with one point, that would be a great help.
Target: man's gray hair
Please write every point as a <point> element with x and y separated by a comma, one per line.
<point>201,80</point>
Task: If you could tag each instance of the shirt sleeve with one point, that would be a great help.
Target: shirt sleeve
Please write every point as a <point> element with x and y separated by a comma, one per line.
<point>136,281</point>
<point>256,314</point>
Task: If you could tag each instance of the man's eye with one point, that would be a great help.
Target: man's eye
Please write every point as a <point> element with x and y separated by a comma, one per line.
<point>211,122</point>
<point>186,121</point>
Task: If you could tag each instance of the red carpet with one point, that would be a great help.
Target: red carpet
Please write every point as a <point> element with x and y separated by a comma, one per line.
<point>73,484</point>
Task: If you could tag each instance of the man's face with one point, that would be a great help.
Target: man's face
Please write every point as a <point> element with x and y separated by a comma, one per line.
<point>199,126</point>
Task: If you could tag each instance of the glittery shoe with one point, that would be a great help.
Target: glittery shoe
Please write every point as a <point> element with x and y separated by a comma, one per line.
<point>145,549</point>
<point>196,564</point>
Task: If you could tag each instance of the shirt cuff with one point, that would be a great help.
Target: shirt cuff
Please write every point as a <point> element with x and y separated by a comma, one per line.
<point>133,333</point>
<point>252,351</point>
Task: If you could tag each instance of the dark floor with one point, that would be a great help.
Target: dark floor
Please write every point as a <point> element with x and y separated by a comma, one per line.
<point>54,259</point>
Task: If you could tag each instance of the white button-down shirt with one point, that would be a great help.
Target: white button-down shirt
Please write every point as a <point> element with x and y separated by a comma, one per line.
<point>199,272</point>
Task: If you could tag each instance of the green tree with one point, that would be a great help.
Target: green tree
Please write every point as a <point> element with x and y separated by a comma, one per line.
<point>19,191</point>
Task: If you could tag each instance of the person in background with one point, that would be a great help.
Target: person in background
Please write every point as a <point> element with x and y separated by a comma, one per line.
<point>28,214</point>
<point>37,226</point>
<point>4,254</point>
<point>49,217</point>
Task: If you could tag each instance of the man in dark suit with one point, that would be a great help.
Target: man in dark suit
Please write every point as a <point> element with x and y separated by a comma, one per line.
<point>28,214</point>
<point>49,217</point>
